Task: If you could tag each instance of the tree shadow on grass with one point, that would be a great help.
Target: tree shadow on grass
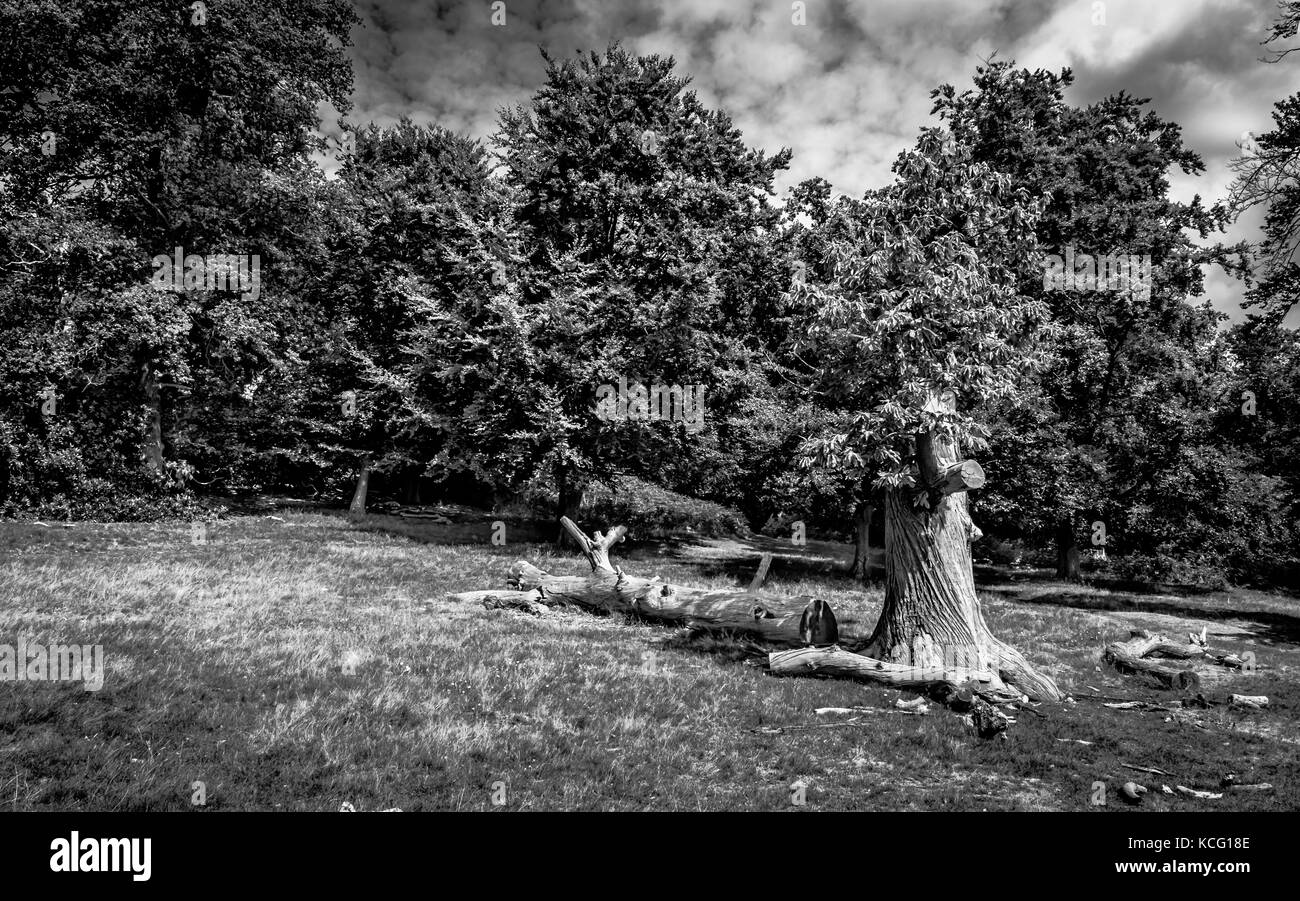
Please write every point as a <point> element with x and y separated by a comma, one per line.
<point>1273,625</point>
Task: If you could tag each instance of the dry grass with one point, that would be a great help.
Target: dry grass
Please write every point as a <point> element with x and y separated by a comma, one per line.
<point>300,664</point>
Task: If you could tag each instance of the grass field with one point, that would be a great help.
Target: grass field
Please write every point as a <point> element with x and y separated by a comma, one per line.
<point>299,663</point>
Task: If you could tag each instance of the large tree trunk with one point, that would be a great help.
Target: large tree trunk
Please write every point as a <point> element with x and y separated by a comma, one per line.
<point>1067,553</point>
<point>932,616</point>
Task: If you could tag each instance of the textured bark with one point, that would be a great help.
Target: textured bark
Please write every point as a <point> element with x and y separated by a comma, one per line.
<point>932,616</point>
<point>839,662</point>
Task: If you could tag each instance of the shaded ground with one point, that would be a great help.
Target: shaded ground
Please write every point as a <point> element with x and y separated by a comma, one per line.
<point>297,663</point>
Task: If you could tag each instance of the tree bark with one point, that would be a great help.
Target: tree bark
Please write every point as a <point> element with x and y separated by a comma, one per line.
<point>839,662</point>
<point>357,509</point>
<point>1067,553</point>
<point>862,541</point>
<point>932,616</point>
<point>153,446</point>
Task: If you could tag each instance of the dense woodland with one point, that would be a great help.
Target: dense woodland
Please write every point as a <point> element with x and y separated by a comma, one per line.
<point>440,312</point>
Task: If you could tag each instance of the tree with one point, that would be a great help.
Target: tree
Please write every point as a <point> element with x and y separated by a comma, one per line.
<point>1268,173</point>
<point>1126,380</point>
<point>646,218</point>
<point>144,128</point>
<point>413,246</point>
<point>926,281</point>
<point>830,467</point>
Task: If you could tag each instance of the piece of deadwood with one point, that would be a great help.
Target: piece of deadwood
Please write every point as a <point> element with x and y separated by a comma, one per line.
<point>838,662</point>
<point>817,625</point>
<point>1253,702</point>
<point>987,719</point>
<point>1145,769</point>
<point>916,705</point>
<point>1127,657</point>
<point>516,600</point>
<point>1132,792</point>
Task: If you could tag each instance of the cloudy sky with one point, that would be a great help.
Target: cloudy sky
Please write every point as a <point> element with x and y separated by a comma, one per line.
<point>849,88</point>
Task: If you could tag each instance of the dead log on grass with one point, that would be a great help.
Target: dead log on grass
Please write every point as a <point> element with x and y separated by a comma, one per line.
<point>778,620</point>
<point>608,589</point>
<point>1129,657</point>
<point>844,664</point>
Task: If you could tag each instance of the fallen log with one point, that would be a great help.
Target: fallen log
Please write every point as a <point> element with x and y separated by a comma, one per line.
<point>779,620</point>
<point>607,589</point>
<point>1253,702</point>
<point>947,681</point>
<point>1128,657</point>
<point>1195,649</point>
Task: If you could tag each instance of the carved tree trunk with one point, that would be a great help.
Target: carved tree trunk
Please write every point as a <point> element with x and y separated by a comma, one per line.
<point>932,616</point>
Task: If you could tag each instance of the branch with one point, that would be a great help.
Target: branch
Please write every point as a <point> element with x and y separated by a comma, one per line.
<point>595,550</point>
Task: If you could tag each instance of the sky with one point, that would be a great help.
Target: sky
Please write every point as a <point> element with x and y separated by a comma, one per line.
<point>844,83</point>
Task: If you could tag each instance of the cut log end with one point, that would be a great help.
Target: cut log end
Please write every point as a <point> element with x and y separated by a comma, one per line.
<point>817,626</point>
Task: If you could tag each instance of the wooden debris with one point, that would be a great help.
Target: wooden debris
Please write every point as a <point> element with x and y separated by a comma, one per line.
<point>1129,657</point>
<point>608,589</point>
<point>987,719</point>
<point>817,626</point>
<point>839,662</point>
<point>1132,792</point>
<point>527,601</point>
<point>1252,702</point>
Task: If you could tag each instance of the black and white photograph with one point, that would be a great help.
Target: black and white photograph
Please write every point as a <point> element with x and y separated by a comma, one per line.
<point>456,414</point>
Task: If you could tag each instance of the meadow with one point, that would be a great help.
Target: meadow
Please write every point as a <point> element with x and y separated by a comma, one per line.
<point>300,662</point>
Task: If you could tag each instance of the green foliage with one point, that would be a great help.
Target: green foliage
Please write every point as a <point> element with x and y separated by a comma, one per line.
<point>922,299</point>
<point>131,130</point>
